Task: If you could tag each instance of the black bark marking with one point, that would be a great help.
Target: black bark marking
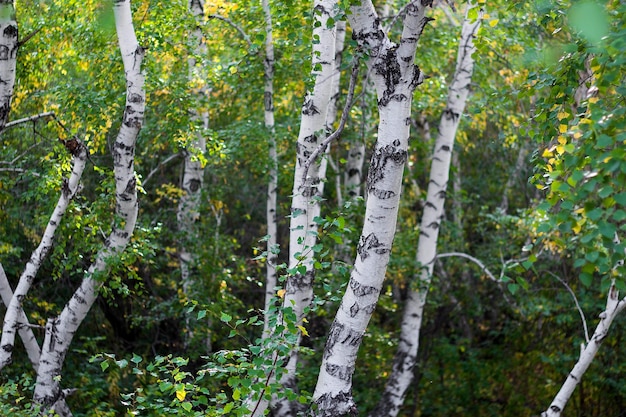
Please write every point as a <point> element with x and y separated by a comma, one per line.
<point>10,31</point>
<point>382,194</point>
<point>268,101</point>
<point>380,159</point>
<point>555,409</point>
<point>449,114</point>
<point>129,191</point>
<point>299,282</point>
<point>310,139</point>
<point>194,185</point>
<point>7,348</point>
<point>338,406</point>
<point>333,337</point>
<point>342,372</point>
<point>354,310</point>
<point>360,290</point>
<point>309,108</point>
<point>4,53</point>
<point>368,243</point>
<point>135,98</point>
<point>65,190</point>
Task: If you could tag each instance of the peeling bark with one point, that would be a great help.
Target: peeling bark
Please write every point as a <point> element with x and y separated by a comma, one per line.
<point>404,361</point>
<point>395,76</point>
<point>60,330</point>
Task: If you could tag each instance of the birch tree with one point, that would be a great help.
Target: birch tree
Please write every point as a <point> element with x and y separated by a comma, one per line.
<point>61,329</point>
<point>307,192</point>
<point>404,361</point>
<point>395,76</point>
<point>8,57</point>
<point>272,184</point>
<point>193,171</point>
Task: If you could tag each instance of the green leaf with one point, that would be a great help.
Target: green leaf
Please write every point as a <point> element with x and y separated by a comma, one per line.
<point>202,314</point>
<point>226,318</point>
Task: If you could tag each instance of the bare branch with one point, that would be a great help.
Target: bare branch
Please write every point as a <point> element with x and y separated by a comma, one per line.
<point>164,162</point>
<point>580,310</point>
<point>30,119</point>
<point>471,258</point>
<point>342,122</point>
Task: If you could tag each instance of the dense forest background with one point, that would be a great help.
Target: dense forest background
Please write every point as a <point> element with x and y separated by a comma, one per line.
<point>530,245</point>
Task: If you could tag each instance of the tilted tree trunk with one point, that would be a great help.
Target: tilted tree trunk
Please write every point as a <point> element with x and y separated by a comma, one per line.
<point>395,76</point>
<point>305,204</point>
<point>15,313</point>
<point>8,57</point>
<point>60,330</point>
<point>193,176</point>
<point>404,361</point>
<point>614,306</point>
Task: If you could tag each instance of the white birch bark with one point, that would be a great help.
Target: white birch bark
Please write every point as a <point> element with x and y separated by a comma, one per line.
<point>614,306</point>
<point>193,176</point>
<point>8,57</point>
<point>272,184</point>
<point>14,312</point>
<point>395,76</point>
<point>305,204</point>
<point>404,361</point>
<point>26,333</point>
<point>60,330</point>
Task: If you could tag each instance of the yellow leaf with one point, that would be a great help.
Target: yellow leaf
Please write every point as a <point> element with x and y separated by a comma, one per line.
<point>593,100</point>
<point>181,394</point>
<point>547,153</point>
<point>281,293</point>
<point>562,140</point>
<point>493,22</point>
<point>562,128</point>
<point>486,16</point>
<point>560,149</point>
<point>562,115</point>
<point>303,330</point>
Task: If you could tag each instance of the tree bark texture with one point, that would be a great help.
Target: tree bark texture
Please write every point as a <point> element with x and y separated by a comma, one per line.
<point>272,184</point>
<point>8,57</point>
<point>193,174</point>
<point>15,313</point>
<point>404,361</point>
<point>395,76</point>
<point>614,306</point>
<point>305,204</point>
<point>60,330</point>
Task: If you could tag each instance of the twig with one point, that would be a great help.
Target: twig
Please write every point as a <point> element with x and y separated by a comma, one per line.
<point>243,34</point>
<point>27,37</point>
<point>342,122</point>
<point>580,310</point>
<point>154,171</point>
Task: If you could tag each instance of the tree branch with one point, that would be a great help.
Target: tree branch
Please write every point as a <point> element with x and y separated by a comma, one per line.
<point>30,119</point>
<point>238,28</point>
<point>580,310</point>
<point>342,122</point>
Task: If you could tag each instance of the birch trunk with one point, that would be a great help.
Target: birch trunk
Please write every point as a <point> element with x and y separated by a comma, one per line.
<point>8,57</point>
<point>272,185</point>
<point>14,312</point>
<point>60,330</point>
<point>193,177</point>
<point>395,76</point>
<point>305,203</point>
<point>404,361</point>
<point>614,306</point>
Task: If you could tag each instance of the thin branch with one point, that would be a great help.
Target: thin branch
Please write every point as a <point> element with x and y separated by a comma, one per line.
<point>243,34</point>
<point>580,310</point>
<point>30,119</point>
<point>342,123</point>
<point>20,170</point>
<point>28,37</point>
<point>154,171</point>
<point>471,258</point>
